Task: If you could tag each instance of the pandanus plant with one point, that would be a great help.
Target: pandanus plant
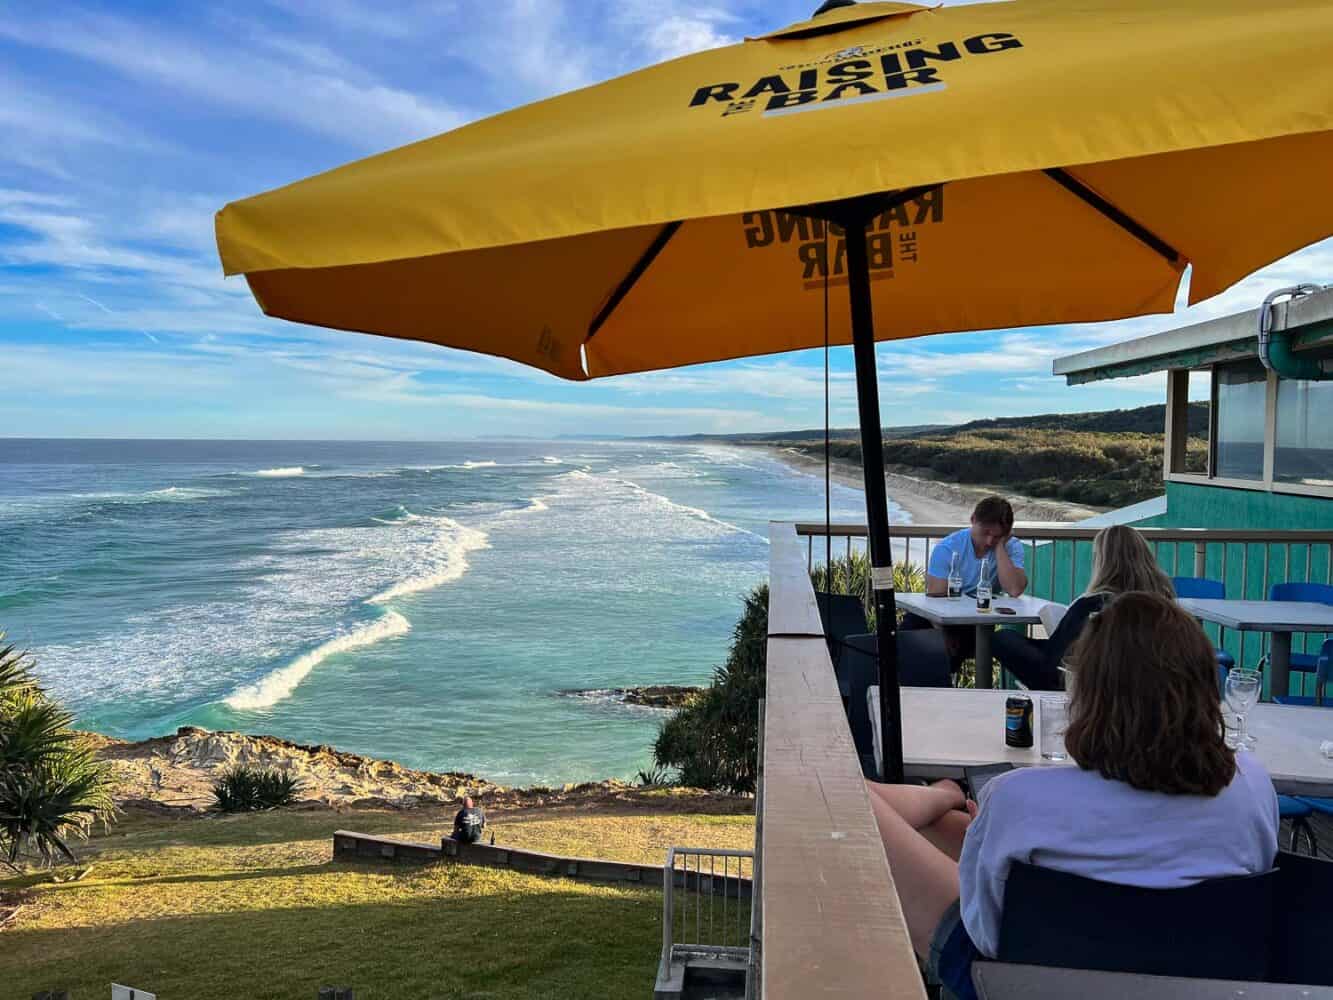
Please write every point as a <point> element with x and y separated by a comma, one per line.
<point>53,788</point>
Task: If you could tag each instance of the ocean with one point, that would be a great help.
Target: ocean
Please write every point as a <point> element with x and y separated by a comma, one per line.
<point>433,603</point>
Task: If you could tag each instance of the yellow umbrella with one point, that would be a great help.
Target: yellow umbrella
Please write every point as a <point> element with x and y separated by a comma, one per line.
<point>959,168</point>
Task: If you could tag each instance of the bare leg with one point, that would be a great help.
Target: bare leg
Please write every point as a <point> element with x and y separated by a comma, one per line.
<point>926,879</point>
<point>919,805</point>
<point>947,832</point>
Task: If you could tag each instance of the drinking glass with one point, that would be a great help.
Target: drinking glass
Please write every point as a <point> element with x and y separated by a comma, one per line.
<point>1242,691</point>
<point>1053,721</point>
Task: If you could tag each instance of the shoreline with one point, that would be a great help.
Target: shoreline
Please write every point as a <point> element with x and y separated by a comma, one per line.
<point>925,500</point>
<point>175,774</point>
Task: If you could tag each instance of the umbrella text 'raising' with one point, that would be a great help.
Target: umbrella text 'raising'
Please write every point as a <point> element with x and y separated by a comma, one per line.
<point>851,77</point>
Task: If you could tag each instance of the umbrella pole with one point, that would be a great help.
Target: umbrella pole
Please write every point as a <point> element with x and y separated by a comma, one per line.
<point>877,504</point>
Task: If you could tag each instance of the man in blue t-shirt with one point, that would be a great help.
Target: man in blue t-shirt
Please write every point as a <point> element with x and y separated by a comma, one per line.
<point>987,542</point>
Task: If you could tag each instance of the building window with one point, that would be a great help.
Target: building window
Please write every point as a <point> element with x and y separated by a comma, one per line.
<point>1304,451</point>
<point>1240,392</point>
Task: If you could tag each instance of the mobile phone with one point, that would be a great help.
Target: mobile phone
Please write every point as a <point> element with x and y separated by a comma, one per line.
<point>977,777</point>
<point>1006,611</point>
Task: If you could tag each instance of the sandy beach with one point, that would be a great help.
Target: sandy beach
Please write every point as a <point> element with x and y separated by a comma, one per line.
<point>930,501</point>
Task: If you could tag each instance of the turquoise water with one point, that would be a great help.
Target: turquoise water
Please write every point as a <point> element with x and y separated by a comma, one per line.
<point>428,603</point>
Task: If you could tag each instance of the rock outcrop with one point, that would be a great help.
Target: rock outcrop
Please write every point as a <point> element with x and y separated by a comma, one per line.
<point>177,772</point>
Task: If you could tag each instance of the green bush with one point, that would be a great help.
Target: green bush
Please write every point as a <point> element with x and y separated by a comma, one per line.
<point>713,741</point>
<point>52,785</point>
<point>246,789</point>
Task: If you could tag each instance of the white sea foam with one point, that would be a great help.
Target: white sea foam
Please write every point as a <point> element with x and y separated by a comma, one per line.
<point>443,560</point>
<point>552,460</point>
<point>279,684</point>
<point>695,512</point>
<point>168,493</point>
<point>283,472</point>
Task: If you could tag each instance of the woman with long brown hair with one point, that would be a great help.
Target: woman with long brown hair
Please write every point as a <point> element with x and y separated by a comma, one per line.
<point>1121,562</point>
<point>1157,799</point>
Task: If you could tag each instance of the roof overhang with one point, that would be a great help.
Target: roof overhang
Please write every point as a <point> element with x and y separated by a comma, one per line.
<point>1228,338</point>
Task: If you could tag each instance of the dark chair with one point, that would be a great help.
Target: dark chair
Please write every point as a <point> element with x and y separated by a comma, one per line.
<point>923,661</point>
<point>1218,929</point>
<point>842,615</point>
<point>1206,590</point>
<point>1036,662</point>
<point>1303,921</point>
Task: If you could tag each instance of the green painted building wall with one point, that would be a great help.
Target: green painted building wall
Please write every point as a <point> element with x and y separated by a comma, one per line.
<point>1060,571</point>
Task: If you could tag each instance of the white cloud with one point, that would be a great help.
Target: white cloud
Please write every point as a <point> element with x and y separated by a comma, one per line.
<point>337,100</point>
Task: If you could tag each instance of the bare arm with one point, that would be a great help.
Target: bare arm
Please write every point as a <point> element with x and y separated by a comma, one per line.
<point>936,586</point>
<point>1012,578</point>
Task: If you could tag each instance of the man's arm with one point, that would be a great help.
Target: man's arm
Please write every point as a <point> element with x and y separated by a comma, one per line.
<point>937,572</point>
<point>1012,577</point>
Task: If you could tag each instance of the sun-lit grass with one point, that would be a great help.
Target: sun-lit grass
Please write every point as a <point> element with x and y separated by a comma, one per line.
<point>253,906</point>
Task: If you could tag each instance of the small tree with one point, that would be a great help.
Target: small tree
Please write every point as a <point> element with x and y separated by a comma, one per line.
<point>52,785</point>
<point>713,741</point>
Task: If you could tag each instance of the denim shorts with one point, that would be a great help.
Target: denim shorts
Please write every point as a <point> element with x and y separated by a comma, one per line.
<point>951,955</point>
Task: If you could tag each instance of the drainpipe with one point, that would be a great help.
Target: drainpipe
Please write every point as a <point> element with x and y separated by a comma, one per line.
<point>1275,345</point>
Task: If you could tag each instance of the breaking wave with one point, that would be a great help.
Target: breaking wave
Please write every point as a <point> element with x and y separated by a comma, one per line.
<point>444,560</point>
<point>282,473</point>
<point>279,684</point>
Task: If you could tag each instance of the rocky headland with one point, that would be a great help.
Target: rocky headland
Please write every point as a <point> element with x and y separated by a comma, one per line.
<point>177,773</point>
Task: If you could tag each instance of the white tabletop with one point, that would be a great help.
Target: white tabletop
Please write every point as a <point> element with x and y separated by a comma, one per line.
<point>963,610</point>
<point>947,729</point>
<point>1262,616</point>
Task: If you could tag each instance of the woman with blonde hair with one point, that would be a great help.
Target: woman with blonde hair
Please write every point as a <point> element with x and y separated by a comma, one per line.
<point>1121,561</point>
<point>1157,799</point>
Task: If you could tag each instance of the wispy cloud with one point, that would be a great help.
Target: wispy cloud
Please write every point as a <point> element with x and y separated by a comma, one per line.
<point>337,98</point>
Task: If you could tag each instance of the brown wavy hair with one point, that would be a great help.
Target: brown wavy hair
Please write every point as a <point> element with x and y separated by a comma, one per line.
<point>1122,561</point>
<point>1145,709</point>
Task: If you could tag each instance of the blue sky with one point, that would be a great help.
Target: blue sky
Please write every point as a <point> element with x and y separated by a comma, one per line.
<point>124,126</point>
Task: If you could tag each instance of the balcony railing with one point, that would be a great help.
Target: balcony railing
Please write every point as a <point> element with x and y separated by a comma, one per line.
<point>830,924</point>
<point>1059,562</point>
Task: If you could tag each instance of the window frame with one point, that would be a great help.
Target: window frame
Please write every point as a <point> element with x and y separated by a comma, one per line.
<point>1177,434</point>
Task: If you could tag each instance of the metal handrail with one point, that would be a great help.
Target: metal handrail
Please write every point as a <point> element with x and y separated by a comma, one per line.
<point>669,895</point>
<point>1041,531</point>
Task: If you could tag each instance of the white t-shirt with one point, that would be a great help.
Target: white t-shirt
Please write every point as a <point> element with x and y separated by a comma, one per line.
<point>1076,821</point>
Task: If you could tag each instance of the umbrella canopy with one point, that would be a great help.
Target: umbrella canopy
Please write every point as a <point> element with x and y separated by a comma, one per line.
<point>965,168</point>
<point>1067,161</point>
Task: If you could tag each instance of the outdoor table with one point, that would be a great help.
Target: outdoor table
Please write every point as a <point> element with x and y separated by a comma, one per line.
<point>947,729</point>
<point>1279,618</point>
<point>945,611</point>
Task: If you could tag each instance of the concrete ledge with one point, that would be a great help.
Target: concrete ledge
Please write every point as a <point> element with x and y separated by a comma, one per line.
<point>351,846</point>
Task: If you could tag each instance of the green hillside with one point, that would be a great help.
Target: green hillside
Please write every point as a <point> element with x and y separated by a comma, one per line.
<point>1105,459</point>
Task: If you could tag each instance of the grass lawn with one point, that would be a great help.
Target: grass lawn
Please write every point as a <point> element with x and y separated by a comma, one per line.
<point>253,906</point>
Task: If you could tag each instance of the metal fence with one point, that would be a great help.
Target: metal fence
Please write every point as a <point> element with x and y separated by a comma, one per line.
<point>706,903</point>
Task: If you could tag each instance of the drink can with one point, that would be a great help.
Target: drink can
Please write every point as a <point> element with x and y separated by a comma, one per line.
<point>1018,721</point>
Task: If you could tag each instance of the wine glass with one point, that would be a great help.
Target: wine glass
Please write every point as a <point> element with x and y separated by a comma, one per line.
<point>1242,691</point>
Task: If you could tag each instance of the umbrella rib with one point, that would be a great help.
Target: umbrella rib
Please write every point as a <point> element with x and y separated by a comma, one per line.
<point>636,272</point>
<point>1122,219</point>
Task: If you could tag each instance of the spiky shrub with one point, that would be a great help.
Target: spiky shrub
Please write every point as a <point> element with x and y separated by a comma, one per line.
<point>850,574</point>
<point>245,789</point>
<point>53,788</point>
<point>713,740</point>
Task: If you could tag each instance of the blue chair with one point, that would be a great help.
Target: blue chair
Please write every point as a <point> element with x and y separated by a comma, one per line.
<point>1206,590</point>
<point>1299,809</point>
<point>1307,663</point>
